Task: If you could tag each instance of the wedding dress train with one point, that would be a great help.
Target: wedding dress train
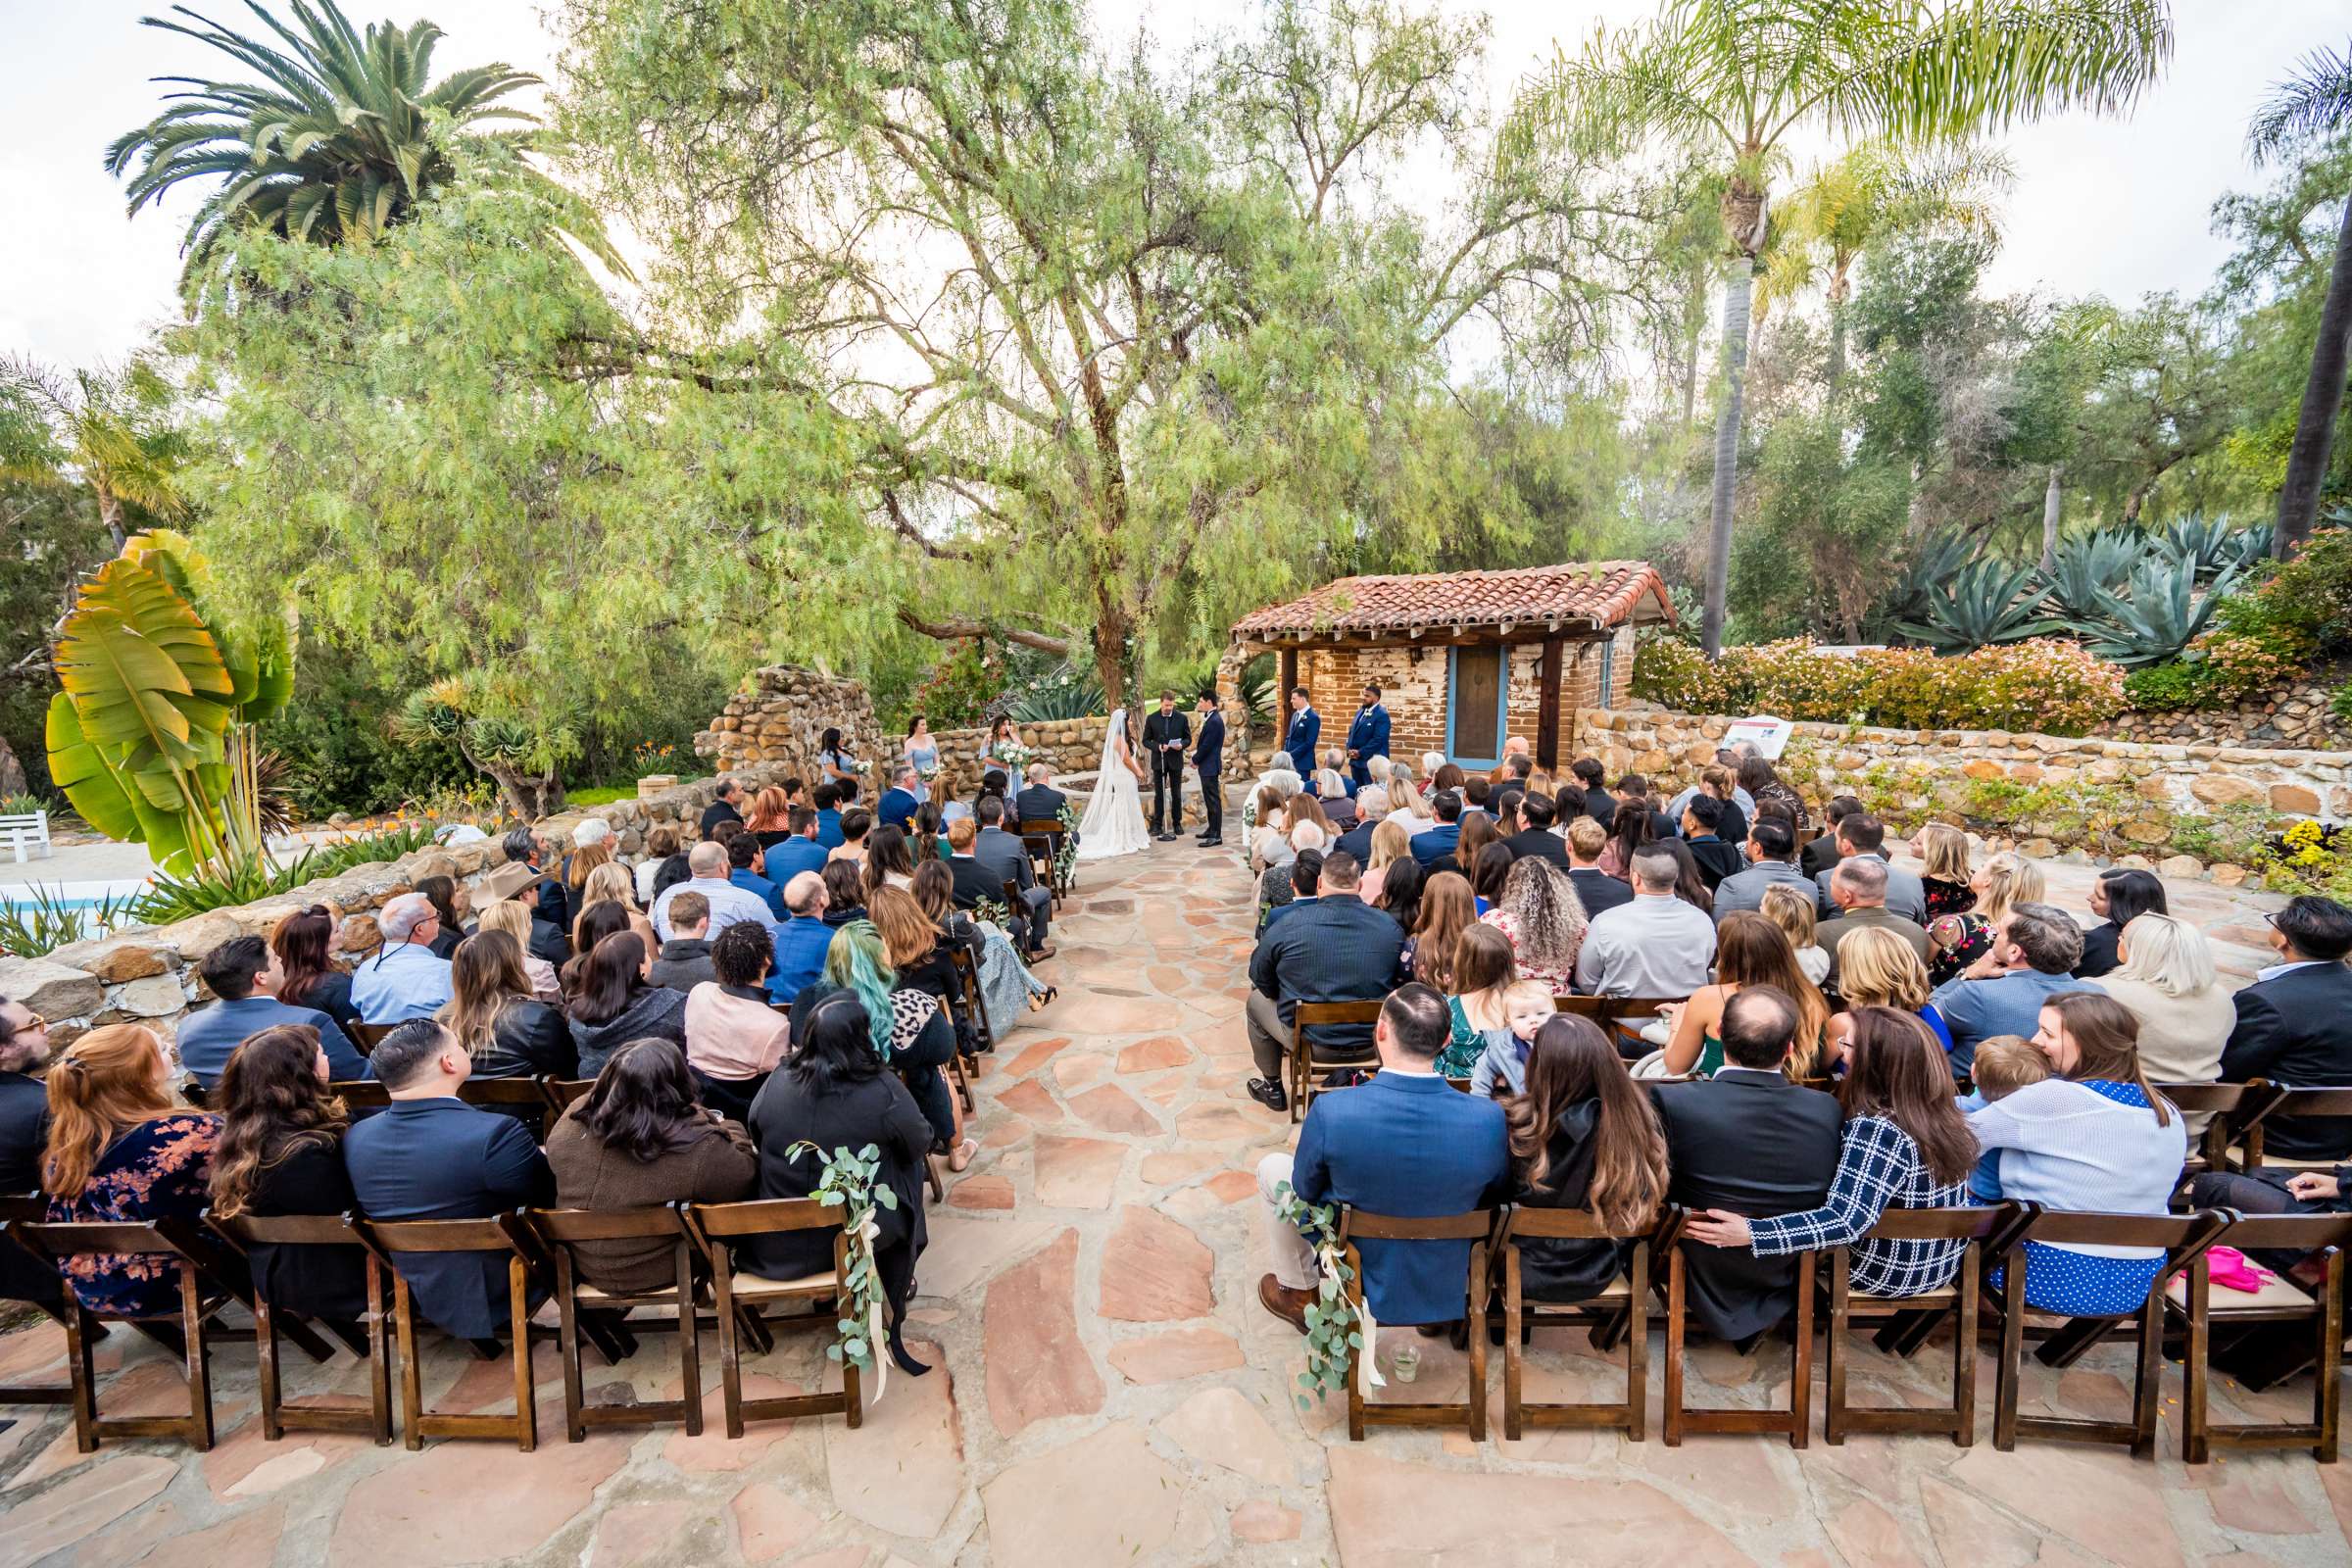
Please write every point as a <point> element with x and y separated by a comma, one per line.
<point>1115,819</point>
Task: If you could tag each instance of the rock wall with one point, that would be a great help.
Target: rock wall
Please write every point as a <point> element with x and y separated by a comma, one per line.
<point>147,974</point>
<point>780,712</point>
<point>2292,716</point>
<point>1066,745</point>
<point>2203,805</point>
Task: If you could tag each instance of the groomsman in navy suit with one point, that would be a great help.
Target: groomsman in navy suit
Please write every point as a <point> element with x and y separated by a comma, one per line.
<point>1306,728</point>
<point>1367,737</point>
<point>1208,759</point>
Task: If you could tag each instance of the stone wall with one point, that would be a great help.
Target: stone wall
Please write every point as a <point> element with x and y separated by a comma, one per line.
<point>1066,745</point>
<point>147,974</point>
<point>780,712</point>
<point>2292,716</point>
<point>2204,804</point>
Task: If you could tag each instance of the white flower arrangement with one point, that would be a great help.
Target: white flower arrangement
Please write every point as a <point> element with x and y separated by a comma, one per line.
<point>1015,755</point>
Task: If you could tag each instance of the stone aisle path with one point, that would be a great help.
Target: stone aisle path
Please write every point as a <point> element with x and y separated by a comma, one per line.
<point>1110,1393</point>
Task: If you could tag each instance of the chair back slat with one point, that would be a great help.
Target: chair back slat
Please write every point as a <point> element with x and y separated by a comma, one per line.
<point>1970,1224</point>
<point>1311,1013</point>
<point>1357,1225</point>
<point>285,1230</point>
<point>1044,826</point>
<point>765,1216</point>
<point>26,1207</point>
<point>561,1093</point>
<point>2314,1103</point>
<point>361,1093</point>
<point>367,1036</point>
<point>492,1235</point>
<point>2287,1233</point>
<point>2215,1098</point>
<point>503,1091</point>
<point>2177,1233</point>
<point>1596,1008</point>
<point>80,1238</point>
<point>1569,1225</point>
<point>568,1225</point>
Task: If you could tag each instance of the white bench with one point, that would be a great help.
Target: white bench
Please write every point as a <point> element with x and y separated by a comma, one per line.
<point>29,830</point>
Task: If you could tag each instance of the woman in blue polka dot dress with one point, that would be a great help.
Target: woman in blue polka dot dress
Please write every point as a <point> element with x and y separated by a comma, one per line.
<point>2092,1138</point>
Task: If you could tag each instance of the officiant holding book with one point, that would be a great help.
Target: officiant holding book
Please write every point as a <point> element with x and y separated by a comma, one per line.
<point>1167,739</point>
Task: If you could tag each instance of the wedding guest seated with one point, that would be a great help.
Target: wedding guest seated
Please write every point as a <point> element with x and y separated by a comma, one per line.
<point>1689,884</point>
<point>1904,1145</point>
<point>523,848</point>
<point>908,1033</point>
<point>2295,1024</point>
<point>512,917</point>
<point>1957,940</point>
<point>1005,857</point>
<point>1789,905</point>
<point>911,941</point>
<point>684,960</point>
<point>743,864</point>
<point>832,823</point>
<point>1770,852</point>
<point>509,1032</point>
<point>593,848</point>
<point>832,1092</point>
<point>1388,845</point>
<point>614,1004</point>
<point>727,902</point>
<point>1751,952</point>
<point>1039,801</point>
<point>1405,806</point>
<point>1862,836</point>
<point>764,816</point>
<point>1734,807</point>
<point>117,1148</point>
<point>282,1152</point>
<point>2032,960</point>
<point>857,825</point>
<point>307,977</point>
<point>2166,978</point>
<point>1539,913</point>
<point>896,807</point>
<point>1822,853</point>
<point>541,938</point>
<point>23,1102</point>
<point>974,883</point>
<point>1701,816</point>
<point>798,848</point>
<point>430,1155</point>
<point>1488,874</point>
<point>1595,889</point>
<point>1400,893</point>
<point>1945,880</point>
<point>610,884</point>
<point>1445,909</point>
<point>2117,896</point>
<point>1599,804</point>
<point>404,980</point>
<point>1583,1135</point>
<point>1653,945</point>
<point>1634,832</point>
<point>1501,1065</point>
<point>1477,795</point>
<point>639,1140</point>
<point>1478,834</point>
<point>727,802</point>
<point>242,972</point>
<point>1299,885</point>
<point>660,845</point>
<point>1478,980</point>
<point>446,897</point>
<point>1877,969</point>
<point>596,925</point>
<point>1338,950</point>
<point>1336,796</point>
<point>2094,1137</point>
<point>1404,1144</point>
<point>1534,815</point>
<point>1761,784</point>
<point>2004,1064</point>
<point>1438,841</point>
<point>798,950</point>
<point>1278,884</point>
<point>845,893</point>
<point>1858,890</point>
<point>1748,1141</point>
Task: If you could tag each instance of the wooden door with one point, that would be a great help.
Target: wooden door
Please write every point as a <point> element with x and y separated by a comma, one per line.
<point>1474,706</point>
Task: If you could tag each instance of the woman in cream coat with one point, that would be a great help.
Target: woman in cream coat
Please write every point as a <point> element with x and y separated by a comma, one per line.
<point>2167,980</point>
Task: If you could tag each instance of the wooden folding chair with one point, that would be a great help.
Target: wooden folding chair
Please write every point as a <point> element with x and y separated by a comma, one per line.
<point>508,1234</point>
<point>1796,1420</point>
<point>1974,1229</point>
<point>361,1093</point>
<point>1621,1310</point>
<point>248,1231</point>
<point>1475,1227</point>
<point>716,1227</point>
<point>2183,1237</point>
<point>1596,1008</point>
<point>2190,1299</point>
<point>957,1073</point>
<point>369,1036</point>
<point>38,1285</point>
<point>520,1098</point>
<point>2232,1107</point>
<point>561,1091</point>
<point>560,1231</point>
<point>2289,1104</point>
<point>1052,832</point>
<point>209,1279</point>
<point>967,977</point>
<point>1304,1066</point>
<point>1622,1019</point>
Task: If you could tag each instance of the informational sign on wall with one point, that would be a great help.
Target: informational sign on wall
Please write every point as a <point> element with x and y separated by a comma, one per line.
<point>1769,735</point>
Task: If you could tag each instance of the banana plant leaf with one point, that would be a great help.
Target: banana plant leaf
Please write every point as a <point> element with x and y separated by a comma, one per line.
<point>260,658</point>
<point>145,675</point>
<point>91,785</point>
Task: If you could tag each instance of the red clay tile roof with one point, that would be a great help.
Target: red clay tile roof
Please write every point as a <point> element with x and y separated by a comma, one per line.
<point>1602,593</point>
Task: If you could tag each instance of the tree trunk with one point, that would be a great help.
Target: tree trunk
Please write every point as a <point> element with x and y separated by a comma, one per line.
<point>2049,520</point>
<point>1837,346</point>
<point>2323,398</point>
<point>110,513</point>
<point>1110,650</point>
<point>1738,295</point>
<point>1696,319</point>
<point>12,773</point>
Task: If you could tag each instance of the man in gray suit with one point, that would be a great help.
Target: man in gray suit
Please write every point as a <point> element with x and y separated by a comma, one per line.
<point>1771,860</point>
<point>1864,834</point>
<point>1005,859</point>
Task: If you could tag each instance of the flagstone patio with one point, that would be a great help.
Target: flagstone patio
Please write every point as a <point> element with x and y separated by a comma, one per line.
<point>1107,1390</point>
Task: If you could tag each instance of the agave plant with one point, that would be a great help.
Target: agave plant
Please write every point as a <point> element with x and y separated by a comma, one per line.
<point>1067,693</point>
<point>2248,547</point>
<point>2087,565</point>
<point>1938,558</point>
<point>2161,615</point>
<point>1984,603</point>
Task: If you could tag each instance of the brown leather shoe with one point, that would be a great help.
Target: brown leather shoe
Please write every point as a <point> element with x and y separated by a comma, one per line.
<point>1287,1305</point>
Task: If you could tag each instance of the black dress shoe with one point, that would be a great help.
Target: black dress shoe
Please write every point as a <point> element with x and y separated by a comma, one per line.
<point>1269,1093</point>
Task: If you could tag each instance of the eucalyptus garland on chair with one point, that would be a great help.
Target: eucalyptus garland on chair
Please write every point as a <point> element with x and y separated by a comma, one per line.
<point>848,1184</point>
<point>1338,1324</point>
<point>1066,856</point>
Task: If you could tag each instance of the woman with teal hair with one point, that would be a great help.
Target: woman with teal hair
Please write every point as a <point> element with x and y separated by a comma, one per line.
<point>907,1030</point>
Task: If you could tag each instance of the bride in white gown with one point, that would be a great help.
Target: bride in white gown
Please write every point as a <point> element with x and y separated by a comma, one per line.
<point>1115,819</point>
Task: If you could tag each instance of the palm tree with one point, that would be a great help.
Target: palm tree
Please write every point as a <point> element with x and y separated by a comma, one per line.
<point>1866,197</point>
<point>1748,75</point>
<point>2314,103</point>
<point>106,431</point>
<point>336,143</point>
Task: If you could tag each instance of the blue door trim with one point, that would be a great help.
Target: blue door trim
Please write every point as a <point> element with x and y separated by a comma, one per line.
<point>1453,689</point>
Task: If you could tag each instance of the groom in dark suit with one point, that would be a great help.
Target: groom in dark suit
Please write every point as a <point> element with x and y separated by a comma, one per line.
<point>1208,757</point>
<point>1167,735</point>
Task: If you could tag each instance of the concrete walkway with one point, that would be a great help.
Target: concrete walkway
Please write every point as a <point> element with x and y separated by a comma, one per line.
<point>1109,1392</point>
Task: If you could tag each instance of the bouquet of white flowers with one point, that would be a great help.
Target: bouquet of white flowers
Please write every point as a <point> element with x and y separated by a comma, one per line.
<point>928,771</point>
<point>1015,755</point>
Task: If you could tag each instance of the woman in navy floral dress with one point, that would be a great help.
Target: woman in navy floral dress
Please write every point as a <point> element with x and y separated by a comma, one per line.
<point>121,1151</point>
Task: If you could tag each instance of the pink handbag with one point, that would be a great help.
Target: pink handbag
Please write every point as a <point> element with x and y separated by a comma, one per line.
<point>2232,1270</point>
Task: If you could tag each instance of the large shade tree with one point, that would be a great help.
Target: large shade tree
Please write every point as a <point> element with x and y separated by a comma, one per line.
<point>341,137</point>
<point>1746,75</point>
<point>2313,105</point>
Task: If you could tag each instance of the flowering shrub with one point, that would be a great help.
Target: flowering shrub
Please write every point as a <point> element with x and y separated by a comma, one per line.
<point>2309,859</point>
<point>2044,685</point>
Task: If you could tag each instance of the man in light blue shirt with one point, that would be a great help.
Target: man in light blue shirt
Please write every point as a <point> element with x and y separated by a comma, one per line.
<point>2031,959</point>
<point>1653,944</point>
<point>707,861</point>
<point>404,980</point>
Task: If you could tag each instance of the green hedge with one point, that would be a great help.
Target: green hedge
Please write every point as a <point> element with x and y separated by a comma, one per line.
<point>2045,686</point>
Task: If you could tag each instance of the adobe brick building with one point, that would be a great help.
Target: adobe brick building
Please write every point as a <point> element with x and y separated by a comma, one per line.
<point>1464,660</point>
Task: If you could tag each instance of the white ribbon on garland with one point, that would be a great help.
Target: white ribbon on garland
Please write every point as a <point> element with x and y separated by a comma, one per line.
<point>1328,1257</point>
<point>867,1231</point>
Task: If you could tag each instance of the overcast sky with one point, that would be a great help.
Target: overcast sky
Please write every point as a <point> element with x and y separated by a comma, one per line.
<point>2118,207</point>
